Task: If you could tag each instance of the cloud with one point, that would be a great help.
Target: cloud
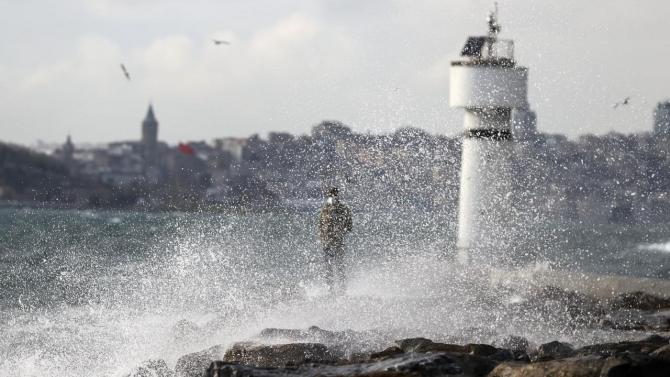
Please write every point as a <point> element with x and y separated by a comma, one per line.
<point>438,73</point>
<point>43,76</point>
<point>121,9</point>
<point>294,63</point>
<point>287,73</point>
<point>169,56</point>
<point>293,49</point>
<point>90,65</point>
<point>279,42</point>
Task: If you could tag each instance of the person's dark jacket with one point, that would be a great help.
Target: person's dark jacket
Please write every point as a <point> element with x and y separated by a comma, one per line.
<point>334,222</point>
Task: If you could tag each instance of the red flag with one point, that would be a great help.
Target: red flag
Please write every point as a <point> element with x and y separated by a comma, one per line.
<point>186,149</point>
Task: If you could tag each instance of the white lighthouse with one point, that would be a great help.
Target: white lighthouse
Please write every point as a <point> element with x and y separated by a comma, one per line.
<point>487,84</point>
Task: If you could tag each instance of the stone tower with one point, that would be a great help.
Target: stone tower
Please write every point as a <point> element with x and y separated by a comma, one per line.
<point>149,138</point>
<point>68,151</point>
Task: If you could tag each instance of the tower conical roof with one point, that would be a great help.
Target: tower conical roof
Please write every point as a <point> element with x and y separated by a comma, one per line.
<point>150,115</point>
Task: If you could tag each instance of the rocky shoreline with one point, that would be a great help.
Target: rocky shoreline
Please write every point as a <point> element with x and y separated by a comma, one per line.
<point>644,318</point>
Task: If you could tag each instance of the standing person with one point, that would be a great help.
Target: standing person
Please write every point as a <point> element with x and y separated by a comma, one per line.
<point>334,223</point>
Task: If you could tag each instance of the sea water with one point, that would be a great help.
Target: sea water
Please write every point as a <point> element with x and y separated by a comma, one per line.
<point>96,293</point>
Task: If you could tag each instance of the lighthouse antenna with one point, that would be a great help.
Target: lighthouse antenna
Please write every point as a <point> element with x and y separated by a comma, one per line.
<point>492,20</point>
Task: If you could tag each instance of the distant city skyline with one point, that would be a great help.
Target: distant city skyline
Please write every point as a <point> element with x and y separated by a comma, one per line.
<point>374,66</point>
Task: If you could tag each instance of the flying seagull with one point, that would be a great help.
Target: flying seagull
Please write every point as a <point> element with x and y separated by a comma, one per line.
<point>624,102</point>
<point>220,41</point>
<point>125,72</point>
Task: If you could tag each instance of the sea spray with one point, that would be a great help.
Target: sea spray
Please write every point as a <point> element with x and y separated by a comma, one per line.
<point>88,294</point>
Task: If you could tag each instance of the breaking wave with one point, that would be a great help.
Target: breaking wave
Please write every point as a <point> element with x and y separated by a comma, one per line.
<point>662,247</point>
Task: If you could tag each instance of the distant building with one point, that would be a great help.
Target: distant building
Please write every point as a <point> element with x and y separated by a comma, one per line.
<point>524,124</point>
<point>67,152</point>
<point>123,164</point>
<point>555,140</point>
<point>234,146</point>
<point>255,149</point>
<point>662,120</point>
<point>331,130</point>
<point>149,138</point>
<point>279,137</point>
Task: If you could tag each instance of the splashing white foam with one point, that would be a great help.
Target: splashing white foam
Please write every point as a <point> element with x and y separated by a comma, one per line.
<point>662,247</point>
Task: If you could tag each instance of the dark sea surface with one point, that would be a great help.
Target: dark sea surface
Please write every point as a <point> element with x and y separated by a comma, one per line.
<point>95,293</point>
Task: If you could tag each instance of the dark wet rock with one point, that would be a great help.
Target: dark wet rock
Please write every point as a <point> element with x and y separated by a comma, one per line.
<point>639,300</point>
<point>277,355</point>
<point>151,368</point>
<point>514,343</point>
<point>355,357</point>
<point>473,365</point>
<point>411,344</point>
<point>551,351</point>
<point>511,348</point>
<point>656,339</point>
<point>424,345</point>
<point>643,346</point>
<point>387,353</point>
<point>413,365</point>
<point>193,364</point>
<point>590,366</point>
<point>663,351</point>
<point>481,349</point>
<point>423,357</point>
<point>473,349</point>
<point>503,355</point>
<point>521,357</point>
<point>337,341</point>
<point>633,365</point>
<point>608,349</point>
<point>624,365</point>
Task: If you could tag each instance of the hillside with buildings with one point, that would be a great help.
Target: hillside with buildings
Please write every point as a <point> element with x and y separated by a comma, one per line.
<point>600,179</point>
<point>30,178</point>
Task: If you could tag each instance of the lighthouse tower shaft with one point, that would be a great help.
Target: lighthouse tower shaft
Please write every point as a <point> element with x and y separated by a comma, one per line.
<point>487,84</point>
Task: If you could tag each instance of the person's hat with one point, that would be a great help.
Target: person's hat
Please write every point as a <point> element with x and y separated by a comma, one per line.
<point>333,191</point>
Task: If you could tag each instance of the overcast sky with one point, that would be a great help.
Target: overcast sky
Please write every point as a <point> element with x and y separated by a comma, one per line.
<point>293,63</point>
